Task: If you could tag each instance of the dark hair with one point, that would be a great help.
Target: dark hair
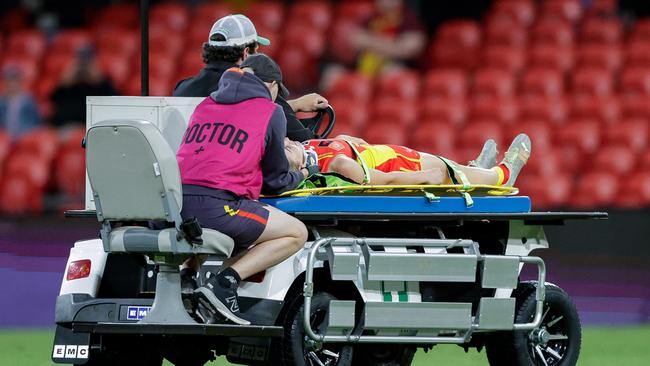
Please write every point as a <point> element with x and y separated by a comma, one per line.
<point>226,53</point>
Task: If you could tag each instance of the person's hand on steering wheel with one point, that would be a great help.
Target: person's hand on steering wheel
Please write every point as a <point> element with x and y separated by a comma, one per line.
<point>309,103</point>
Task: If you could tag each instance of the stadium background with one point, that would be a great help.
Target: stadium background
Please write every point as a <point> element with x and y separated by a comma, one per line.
<point>575,75</point>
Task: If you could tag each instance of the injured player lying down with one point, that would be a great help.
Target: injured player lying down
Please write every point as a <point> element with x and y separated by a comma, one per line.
<point>366,163</point>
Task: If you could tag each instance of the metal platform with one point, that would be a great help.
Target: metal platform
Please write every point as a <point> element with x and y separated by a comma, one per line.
<point>226,330</point>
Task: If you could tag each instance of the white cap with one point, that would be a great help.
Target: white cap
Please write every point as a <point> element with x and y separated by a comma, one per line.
<point>238,31</point>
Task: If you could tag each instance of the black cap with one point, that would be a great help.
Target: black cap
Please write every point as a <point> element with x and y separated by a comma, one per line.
<point>266,69</point>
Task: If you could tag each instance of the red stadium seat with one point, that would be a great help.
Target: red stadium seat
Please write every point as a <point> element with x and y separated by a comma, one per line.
<point>635,106</point>
<point>595,189</point>
<point>641,30</point>
<point>403,84</point>
<point>450,111</point>
<point>302,34</point>
<point>554,110</point>
<point>584,134</point>
<point>317,13</point>
<point>69,41</point>
<point>540,132</point>
<point>569,10</point>
<point>116,66</point>
<point>163,68</point>
<point>56,65</point>
<point>340,46</point>
<point>26,43</point>
<point>42,142</point>
<point>474,134</point>
<point>644,161</point>
<point>299,69</point>
<point>637,54</point>
<point>521,11</point>
<point>603,8</point>
<point>157,87</point>
<point>5,145</point>
<point>448,83</point>
<point>435,137</point>
<point>350,112</point>
<point>385,132</point>
<point>558,58</point>
<point>190,65</point>
<point>592,82</point>
<point>607,57</point>
<point>209,12</point>
<point>552,31</point>
<point>29,166</point>
<point>70,172</point>
<point>633,133</point>
<point>602,30</point>
<point>164,42</point>
<point>351,85</point>
<point>506,34</point>
<point>615,159</point>
<point>493,83</point>
<point>635,81</point>
<point>542,82</point>
<point>266,15</point>
<point>355,11</point>
<point>545,190</point>
<point>501,110</point>
<point>634,191</point>
<point>119,14</point>
<point>606,109</point>
<point>173,16</point>
<point>505,58</point>
<point>18,196</point>
<point>117,41</point>
<point>402,113</point>
<point>72,138</point>
<point>457,44</point>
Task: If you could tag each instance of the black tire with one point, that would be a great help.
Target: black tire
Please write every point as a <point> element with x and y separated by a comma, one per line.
<point>383,355</point>
<point>293,344</point>
<point>560,320</point>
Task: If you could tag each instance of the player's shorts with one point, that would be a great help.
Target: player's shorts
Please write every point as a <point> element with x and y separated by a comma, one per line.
<point>391,158</point>
<point>240,218</point>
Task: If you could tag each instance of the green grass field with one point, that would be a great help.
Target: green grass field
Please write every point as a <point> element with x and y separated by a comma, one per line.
<point>626,346</point>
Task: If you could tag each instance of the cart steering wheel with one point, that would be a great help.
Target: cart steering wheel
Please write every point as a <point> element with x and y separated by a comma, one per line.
<point>314,123</point>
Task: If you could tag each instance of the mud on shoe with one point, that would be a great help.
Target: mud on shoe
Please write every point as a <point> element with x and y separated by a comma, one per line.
<point>516,157</point>
<point>488,156</point>
<point>220,300</point>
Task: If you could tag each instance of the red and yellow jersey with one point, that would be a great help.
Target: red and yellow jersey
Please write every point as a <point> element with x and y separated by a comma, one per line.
<point>385,158</point>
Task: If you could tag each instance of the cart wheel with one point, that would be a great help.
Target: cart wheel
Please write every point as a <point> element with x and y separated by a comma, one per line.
<point>299,351</point>
<point>556,342</point>
<point>383,355</point>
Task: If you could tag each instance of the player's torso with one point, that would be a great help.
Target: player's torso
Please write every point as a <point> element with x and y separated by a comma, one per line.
<point>381,157</point>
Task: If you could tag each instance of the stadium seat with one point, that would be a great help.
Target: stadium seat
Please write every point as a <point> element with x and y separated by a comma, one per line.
<point>450,111</point>
<point>634,191</point>
<point>546,191</point>
<point>506,34</point>
<point>554,110</point>
<point>116,66</point>
<point>602,30</point>
<point>569,10</point>
<point>640,30</point>
<point>584,134</point>
<point>603,8</point>
<point>456,44</point>
<point>70,172</point>
<point>316,13</point>
<point>56,65</point>
<point>163,68</point>
<point>493,83</point>
<point>595,190</point>
<point>174,16</point>
<point>633,106</point>
<point>44,88</point>
<point>42,142</point>
<point>161,41</point>
<point>18,196</point>
<point>635,81</point>
<point>266,15</point>
<point>552,31</point>
<point>355,11</point>
<point>550,56</point>
<point>607,57</point>
<point>509,59</point>
<point>637,54</point>
<point>401,112</point>
<point>633,133</point>
<point>352,85</point>
<point>520,11</point>
<point>69,41</point>
<point>26,43</point>
<point>208,12</point>
<point>299,69</point>
<point>501,110</point>
<point>190,65</point>
<point>5,146</point>
<point>71,138</point>
<point>302,34</point>
<point>116,40</point>
<point>618,159</point>
<point>385,132</point>
<point>122,14</point>
<point>592,82</point>
<point>540,132</point>
<point>435,137</point>
<point>474,134</point>
<point>447,83</point>
<point>542,82</point>
<point>340,47</point>
<point>403,84</point>
<point>350,112</point>
<point>644,161</point>
<point>606,109</point>
<point>30,166</point>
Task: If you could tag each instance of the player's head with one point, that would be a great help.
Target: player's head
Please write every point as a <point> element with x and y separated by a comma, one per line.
<point>232,39</point>
<point>295,153</point>
<point>268,71</point>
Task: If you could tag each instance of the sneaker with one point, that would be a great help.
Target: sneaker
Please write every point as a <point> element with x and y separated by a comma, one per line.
<point>220,300</point>
<point>516,157</point>
<point>488,156</point>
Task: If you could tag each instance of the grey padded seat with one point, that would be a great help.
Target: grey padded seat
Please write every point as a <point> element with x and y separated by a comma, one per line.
<point>134,176</point>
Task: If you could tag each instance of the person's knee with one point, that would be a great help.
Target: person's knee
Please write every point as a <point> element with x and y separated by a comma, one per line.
<point>298,235</point>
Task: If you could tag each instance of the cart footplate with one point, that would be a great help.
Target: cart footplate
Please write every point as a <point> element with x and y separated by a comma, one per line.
<point>226,330</point>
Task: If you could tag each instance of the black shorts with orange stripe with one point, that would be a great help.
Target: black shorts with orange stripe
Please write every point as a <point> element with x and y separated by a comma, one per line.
<point>240,218</point>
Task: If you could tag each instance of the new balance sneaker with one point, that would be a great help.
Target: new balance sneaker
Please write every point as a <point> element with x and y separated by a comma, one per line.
<point>220,300</point>
<point>516,157</point>
<point>488,156</point>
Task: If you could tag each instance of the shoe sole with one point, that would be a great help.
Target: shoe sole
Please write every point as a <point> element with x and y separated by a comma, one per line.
<point>209,300</point>
<point>521,141</point>
<point>490,147</point>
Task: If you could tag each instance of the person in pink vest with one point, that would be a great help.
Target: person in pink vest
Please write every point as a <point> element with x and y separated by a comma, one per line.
<point>232,151</point>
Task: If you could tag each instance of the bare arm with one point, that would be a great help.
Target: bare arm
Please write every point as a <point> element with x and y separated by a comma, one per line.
<point>350,169</point>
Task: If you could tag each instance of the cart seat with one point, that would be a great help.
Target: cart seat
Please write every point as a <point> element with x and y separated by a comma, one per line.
<point>142,240</point>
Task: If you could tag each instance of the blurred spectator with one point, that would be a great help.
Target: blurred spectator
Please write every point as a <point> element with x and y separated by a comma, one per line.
<point>18,110</point>
<point>394,35</point>
<point>83,79</point>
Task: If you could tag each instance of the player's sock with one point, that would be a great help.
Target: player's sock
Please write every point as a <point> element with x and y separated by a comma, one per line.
<point>503,174</point>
